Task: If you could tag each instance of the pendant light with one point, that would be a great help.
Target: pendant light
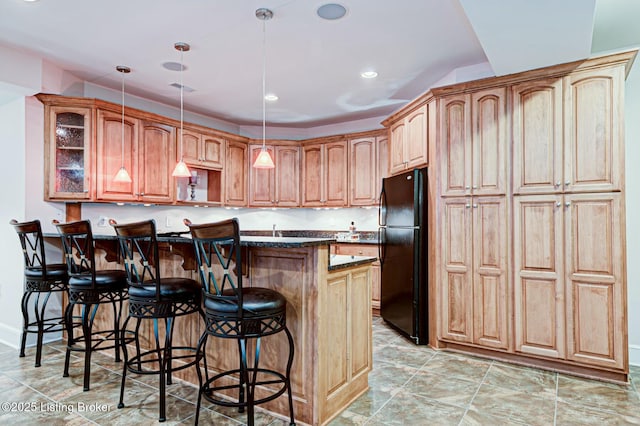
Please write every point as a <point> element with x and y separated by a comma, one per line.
<point>122,175</point>
<point>181,169</point>
<point>264,160</point>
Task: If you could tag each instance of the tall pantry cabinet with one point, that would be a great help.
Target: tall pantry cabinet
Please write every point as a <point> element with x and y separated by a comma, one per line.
<point>530,223</point>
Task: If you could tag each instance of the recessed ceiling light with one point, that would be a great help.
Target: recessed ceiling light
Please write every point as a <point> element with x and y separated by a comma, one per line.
<point>368,74</point>
<point>30,1</point>
<point>270,97</point>
<point>331,11</point>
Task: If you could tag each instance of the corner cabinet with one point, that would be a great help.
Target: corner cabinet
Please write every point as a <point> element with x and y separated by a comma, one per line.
<point>68,153</point>
<point>149,150</point>
<point>325,174</point>
<point>280,186</point>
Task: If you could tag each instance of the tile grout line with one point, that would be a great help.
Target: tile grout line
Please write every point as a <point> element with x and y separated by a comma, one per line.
<point>475,393</point>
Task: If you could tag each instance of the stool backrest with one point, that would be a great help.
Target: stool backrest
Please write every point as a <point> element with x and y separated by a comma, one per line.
<point>139,249</point>
<point>218,254</point>
<point>78,247</point>
<point>30,234</point>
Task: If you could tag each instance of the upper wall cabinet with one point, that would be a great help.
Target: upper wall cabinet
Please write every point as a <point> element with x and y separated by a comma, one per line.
<point>236,174</point>
<point>473,143</point>
<point>363,176</point>
<point>567,133</point>
<point>148,155</point>
<point>280,186</point>
<point>201,150</point>
<point>325,174</point>
<point>408,141</point>
<point>68,153</point>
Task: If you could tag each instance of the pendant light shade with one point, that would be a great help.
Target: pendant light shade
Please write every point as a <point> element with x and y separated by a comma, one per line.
<point>122,175</point>
<point>264,160</point>
<point>181,169</point>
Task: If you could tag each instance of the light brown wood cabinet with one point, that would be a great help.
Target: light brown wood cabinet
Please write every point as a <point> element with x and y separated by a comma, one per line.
<point>355,249</point>
<point>473,143</point>
<point>566,303</point>
<point>280,186</point>
<point>408,146</point>
<point>475,271</point>
<point>341,324</point>
<point>569,288</point>
<point>201,150</point>
<point>325,174</point>
<point>149,150</point>
<point>368,165</point>
<point>236,174</point>
<point>68,153</point>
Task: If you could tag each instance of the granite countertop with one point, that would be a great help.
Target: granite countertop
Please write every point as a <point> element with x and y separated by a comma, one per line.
<point>341,261</point>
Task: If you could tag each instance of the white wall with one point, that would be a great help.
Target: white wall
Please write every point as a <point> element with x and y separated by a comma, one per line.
<point>14,195</point>
<point>632,172</point>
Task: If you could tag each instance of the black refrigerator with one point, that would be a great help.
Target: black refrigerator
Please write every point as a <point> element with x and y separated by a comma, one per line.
<point>402,235</point>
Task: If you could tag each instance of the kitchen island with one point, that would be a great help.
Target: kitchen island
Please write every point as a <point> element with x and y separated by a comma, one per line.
<point>328,314</point>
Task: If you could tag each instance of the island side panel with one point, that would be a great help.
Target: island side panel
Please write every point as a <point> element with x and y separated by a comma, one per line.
<point>295,273</point>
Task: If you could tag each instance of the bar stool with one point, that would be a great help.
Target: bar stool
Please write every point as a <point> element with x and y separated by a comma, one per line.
<point>40,278</point>
<point>153,297</point>
<point>89,288</point>
<point>236,312</point>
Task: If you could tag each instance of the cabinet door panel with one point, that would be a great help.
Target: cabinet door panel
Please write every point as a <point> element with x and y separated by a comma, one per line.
<point>312,173</point>
<point>155,162</point>
<point>337,178</point>
<point>416,138</point>
<point>539,308</point>
<point>363,172</point>
<point>595,281</point>
<point>359,319</point>
<point>212,151</point>
<point>490,246</point>
<point>236,174</point>
<point>489,142</point>
<point>457,291</point>
<point>382,143</point>
<point>593,142</point>
<point>109,157</point>
<point>537,137</point>
<point>190,147</point>
<point>396,148</point>
<point>262,191</point>
<point>455,131</point>
<point>287,176</point>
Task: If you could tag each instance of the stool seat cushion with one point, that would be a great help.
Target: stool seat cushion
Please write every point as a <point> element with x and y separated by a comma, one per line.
<point>54,271</point>
<point>255,300</point>
<point>106,280</point>
<point>171,288</point>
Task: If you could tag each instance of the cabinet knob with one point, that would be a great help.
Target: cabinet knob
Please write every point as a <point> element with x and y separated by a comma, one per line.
<point>467,206</point>
<point>475,186</point>
<point>558,204</point>
<point>567,204</point>
<point>557,184</point>
<point>466,187</point>
<point>475,206</point>
<point>567,183</point>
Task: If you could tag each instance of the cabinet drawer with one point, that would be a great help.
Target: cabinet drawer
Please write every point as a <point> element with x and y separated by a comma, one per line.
<point>351,249</point>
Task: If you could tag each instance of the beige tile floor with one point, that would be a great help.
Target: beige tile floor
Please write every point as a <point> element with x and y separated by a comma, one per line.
<point>409,385</point>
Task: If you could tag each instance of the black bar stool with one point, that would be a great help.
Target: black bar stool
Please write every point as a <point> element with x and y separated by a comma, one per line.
<point>236,312</point>
<point>89,288</point>
<point>154,297</point>
<point>40,278</point>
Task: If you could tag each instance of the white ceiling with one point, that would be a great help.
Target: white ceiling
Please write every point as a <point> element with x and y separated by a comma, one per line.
<point>313,65</point>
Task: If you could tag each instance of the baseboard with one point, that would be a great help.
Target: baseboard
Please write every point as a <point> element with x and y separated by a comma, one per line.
<point>10,336</point>
<point>634,355</point>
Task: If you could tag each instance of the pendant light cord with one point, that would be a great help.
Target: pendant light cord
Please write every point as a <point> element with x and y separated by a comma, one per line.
<point>264,78</point>
<point>181,99</point>
<point>122,127</point>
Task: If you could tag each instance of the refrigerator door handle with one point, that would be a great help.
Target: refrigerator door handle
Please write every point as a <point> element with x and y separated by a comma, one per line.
<point>382,219</point>
<point>381,232</point>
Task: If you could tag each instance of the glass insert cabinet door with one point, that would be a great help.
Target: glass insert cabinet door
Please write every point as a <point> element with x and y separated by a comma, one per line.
<point>70,153</point>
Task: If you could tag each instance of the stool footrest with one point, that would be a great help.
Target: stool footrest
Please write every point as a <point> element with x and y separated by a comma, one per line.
<point>209,389</point>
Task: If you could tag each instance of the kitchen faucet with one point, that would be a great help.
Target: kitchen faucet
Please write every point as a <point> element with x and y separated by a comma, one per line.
<point>273,232</point>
